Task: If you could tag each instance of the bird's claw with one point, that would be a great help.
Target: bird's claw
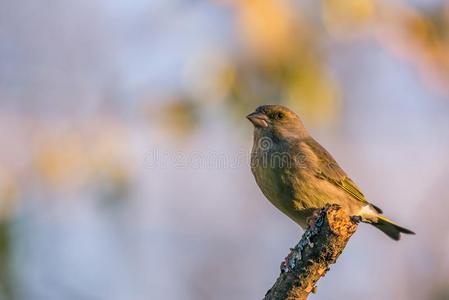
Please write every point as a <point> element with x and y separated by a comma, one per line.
<point>312,219</point>
<point>356,219</point>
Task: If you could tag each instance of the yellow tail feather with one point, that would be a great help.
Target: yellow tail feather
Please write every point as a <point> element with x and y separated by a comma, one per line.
<point>390,228</point>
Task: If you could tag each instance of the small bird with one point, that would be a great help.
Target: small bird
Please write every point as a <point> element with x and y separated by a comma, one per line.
<point>298,176</point>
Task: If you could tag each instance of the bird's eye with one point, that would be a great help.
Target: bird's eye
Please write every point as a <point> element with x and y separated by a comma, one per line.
<point>278,115</point>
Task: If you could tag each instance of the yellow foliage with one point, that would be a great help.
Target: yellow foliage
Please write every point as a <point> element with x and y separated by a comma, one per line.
<point>59,159</point>
<point>267,27</point>
<point>346,16</point>
<point>313,94</point>
<point>74,158</point>
<point>421,38</point>
<point>9,190</point>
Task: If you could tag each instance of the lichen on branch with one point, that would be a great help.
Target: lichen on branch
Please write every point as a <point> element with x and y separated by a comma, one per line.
<point>311,258</point>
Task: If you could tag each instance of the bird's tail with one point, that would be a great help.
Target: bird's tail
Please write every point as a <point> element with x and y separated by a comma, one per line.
<point>390,228</point>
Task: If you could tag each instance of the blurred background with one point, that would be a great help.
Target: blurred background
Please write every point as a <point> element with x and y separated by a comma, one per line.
<point>124,158</point>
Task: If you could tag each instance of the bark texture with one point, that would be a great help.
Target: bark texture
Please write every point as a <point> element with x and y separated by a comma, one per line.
<point>311,258</point>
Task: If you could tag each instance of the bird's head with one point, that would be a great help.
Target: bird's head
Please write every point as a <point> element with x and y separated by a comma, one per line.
<point>277,121</point>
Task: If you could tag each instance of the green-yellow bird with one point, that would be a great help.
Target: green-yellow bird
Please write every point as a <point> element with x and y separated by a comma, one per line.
<point>299,176</point>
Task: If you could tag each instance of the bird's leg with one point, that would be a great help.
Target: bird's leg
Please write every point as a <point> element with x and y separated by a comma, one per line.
<point>313,217</point>
<point>356,219</point>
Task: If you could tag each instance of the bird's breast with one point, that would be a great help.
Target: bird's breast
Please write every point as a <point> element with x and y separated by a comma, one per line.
<point>285,183</point>
<point>272,177</point>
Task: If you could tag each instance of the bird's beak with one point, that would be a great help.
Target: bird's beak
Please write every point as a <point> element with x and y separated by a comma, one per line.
<point>258,119</point>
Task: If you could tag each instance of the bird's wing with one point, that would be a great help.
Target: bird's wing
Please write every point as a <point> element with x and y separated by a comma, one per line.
<point>328,169</point>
